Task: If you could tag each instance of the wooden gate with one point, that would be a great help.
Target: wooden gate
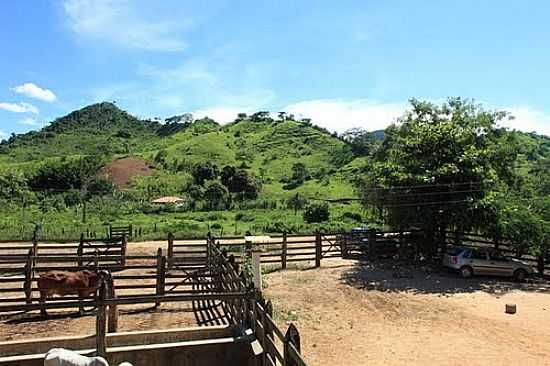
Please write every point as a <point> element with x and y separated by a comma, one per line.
<point>189,255</point>
<point>118,231</point>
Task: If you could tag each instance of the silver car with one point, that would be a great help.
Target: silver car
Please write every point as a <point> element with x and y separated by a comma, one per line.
<point>478,261</point>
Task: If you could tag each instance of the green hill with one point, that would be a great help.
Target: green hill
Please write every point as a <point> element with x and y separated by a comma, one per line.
<point>96,129</point>
<point>264,151</point>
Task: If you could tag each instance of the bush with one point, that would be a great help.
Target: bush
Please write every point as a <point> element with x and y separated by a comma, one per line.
<point>316,212</point>
<point>214,216</point>
<point>240,216</point>
<point>279,227</point>
<point>352,216</point>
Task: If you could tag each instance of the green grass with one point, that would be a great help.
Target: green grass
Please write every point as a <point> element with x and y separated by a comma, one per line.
<point>67,224</point>
<point>268,150</point>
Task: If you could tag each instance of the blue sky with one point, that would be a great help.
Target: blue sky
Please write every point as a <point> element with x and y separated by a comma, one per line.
<point>343,63</point>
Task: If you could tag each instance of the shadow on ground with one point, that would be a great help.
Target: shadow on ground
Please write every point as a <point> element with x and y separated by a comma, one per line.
<point>390,277</point>
<point>32,317</point>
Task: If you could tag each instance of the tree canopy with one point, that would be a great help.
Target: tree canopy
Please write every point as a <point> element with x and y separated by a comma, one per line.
<point>437,163</point>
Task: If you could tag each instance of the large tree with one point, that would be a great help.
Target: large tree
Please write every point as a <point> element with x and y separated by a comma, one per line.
<point>437,164</point>
<point>362,142</point>
<point>239,181</point>
<point>216,194</point>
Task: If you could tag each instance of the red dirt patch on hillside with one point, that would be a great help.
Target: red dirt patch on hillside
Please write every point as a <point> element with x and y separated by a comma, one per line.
<point>122,170</point>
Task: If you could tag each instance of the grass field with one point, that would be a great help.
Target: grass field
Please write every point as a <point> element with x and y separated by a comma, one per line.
<point>67,224</point>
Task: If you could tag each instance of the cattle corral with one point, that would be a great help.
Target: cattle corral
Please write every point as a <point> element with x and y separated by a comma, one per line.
<point>147,274</point>
<point>201,282</point>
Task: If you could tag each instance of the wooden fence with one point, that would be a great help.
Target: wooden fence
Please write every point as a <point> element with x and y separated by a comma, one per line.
<point>255,313</point>
<point>215,289</point>
<point>279,250</point>
<point>372,244</point>
<point>472,240</point>
<point>139,276</point>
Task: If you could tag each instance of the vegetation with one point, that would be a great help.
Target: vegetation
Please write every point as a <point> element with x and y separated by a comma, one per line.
<point>241,168</point>
<point>446,166</point>
<point>316,212</point>
<point>451,167</point>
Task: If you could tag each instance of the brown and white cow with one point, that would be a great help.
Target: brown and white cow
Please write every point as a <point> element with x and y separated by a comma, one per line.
<point>81,283</point>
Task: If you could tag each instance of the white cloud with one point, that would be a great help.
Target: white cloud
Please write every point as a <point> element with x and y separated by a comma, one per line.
<point>3,135</point>
<point>19,107</point>
<point>342,114</point>
<point>222,114</point>
<point>34,91</point>
<point>528,120</point>
<point>130,24</point>
<point>29,121</point>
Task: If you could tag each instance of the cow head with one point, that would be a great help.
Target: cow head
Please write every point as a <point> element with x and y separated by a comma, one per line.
<point>97,279</point>
<point>104,274</point>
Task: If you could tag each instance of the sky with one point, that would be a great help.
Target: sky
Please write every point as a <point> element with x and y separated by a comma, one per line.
<point>342,63</point>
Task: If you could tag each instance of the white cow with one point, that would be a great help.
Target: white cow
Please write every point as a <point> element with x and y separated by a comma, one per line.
<point>65,357</point>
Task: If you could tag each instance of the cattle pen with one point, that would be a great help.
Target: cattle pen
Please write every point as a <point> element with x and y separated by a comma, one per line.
<point>202,277</point>
<point>236,322</point>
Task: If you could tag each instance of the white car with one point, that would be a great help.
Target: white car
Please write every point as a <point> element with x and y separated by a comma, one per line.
<point>478,261</point>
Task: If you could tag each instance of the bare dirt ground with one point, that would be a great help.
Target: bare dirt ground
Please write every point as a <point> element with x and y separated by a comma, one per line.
<point>352,314</point>
<point>349,313</point>
<point>122,170</point>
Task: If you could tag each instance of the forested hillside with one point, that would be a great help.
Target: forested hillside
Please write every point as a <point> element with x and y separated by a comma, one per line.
<point>257,173</point>
<point>253,163</point>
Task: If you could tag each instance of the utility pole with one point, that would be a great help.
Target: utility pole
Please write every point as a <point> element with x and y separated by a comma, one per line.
<point>83,196</point>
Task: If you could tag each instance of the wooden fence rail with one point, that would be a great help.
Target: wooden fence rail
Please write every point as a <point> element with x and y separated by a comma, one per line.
<point>280,250</point>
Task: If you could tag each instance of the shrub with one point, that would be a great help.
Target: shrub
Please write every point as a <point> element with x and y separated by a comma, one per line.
<point>352,216</point>
<point>316,212</point>
<point>240,216</point>
<point>214,216</point>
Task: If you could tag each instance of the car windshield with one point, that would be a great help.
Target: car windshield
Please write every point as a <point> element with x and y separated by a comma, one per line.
<point>455,251</point>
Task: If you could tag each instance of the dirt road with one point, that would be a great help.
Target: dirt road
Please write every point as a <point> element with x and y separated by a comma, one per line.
<point>348,314</point>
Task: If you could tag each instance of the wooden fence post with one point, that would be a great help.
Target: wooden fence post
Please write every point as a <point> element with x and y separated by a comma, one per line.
<point>100,325</point>
<point>96,260</point>
<point>80,251</point>
<point>112,325</point>
<point>208,253</point>
<point>541,260</point>
<point>161,275</point>
<point>34,246</point>
<point>372,244</point>
<point>123,250</point>
<point>318,249</point>
<point>269,311</point>
<point>28,277</point>
<point>343,239</point>
<point>263,322</point>
<point>402,250</point>
<point>292,336</point>
<point>457,238</point>
<point>170,249</point>
<point>284,251</point>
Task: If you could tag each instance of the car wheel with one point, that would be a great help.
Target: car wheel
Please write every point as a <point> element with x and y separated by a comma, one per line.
<point>466,272</point>
<point>520,275</point>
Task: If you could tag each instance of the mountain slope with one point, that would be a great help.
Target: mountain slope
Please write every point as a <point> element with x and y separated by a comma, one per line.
<point>96,129</point>
<point>266,148</point>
